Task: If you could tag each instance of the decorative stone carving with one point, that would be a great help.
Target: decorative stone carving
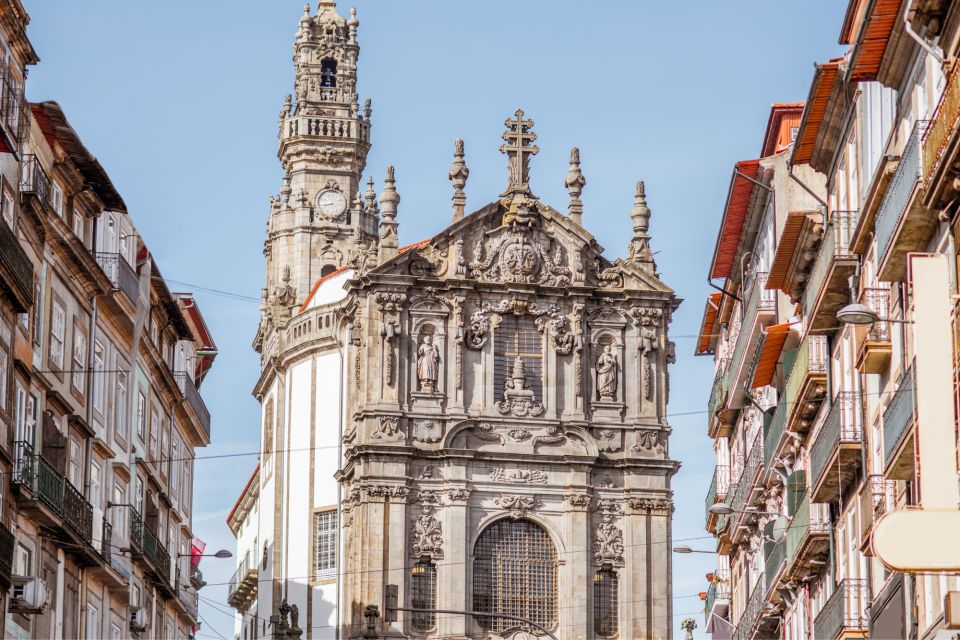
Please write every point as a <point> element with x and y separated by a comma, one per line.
<point>458,495</point>
<point>428,497</point>
<point>428,364</point>
<point>517,399</point>
<point>609,505</point>
<point>385,491</point>
<point>664,505</point>
<point>427,431</point>
<point>574,184</point>
<point>607,368</point>
<point>518,476</point>
<point>459,261</point>
<point>426,473</point>
<point>611,276</point>
<point>554,435</point>
<point>517,256</point>
<point>433,263</point>
<point>488,433</point>
<point>458,340</point>
<point>550,315</point>
<point>517,505</point>
<point>519,435</point>
<point>458,177</point>
<point>579,501</point>
<point>649,440</point>
<point>608,440</point>
<point>518,136</point>
<point>608,542</point>
<point>427,536</point>
<point>648,319</point>
<point>389,429</point>
<point>390,301</point>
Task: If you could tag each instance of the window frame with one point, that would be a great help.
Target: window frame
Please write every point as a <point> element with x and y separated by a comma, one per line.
<point>56,349</point>
<point>328,518</point>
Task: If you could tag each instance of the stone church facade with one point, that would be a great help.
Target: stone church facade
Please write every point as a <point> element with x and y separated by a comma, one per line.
<point>478,418</point>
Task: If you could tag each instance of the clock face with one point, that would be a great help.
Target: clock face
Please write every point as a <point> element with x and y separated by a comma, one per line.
<point>331,203</point>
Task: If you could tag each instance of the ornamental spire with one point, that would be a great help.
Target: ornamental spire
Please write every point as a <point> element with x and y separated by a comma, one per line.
<point>574,184</point>
<point>389,199</point>
<point>458,177</point>
<point>518,136</point>
<point>640,253</point>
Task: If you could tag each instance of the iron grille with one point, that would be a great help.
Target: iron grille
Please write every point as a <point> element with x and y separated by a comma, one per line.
<point>324,544</point>
<point>517,336</point>
<point>606,594</point>
<point>423,595</point>
<point>515,573</point>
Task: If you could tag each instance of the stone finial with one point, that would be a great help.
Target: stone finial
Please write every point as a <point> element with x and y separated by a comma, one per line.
<point>518,148</point>
<point>286,190</point>
<point>640,253</point>
<point>371,198</point>
<point>367,109</point>
<point>389,199</point>
<point>574,184</point>
<point>306,8</point>
<point>352,24</point>
<point>458,177</point>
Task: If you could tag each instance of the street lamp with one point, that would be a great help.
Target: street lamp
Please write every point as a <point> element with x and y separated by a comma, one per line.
<point>721,509</point>
<point>223,553</point>
<point>861,314</point>
<point>682,548</point>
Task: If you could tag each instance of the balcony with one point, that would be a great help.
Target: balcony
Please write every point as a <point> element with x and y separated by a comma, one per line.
<point>34,181</point>
<point>806,383</point>
<point>940,141</point>
<point>827,289</point>
<point>807,542</point>
<point>874,347</point>
<point>774,557</point>
<point>13,110</point>
<point>145,545</point>
<point>196,404</point>
<point>758,311</point>
<point>718,599</point>
<point>898,418</point>
<point>720,419</point>
<point>53,501</point>
<point>187,596</point>
<point>243,585</point>
<point>773,431</point>
<point>835,457</point>
<point>16,271</point>
<point>747,490</point>
<point>716,492</point>
<point>844,613</point>
<point>903,224</point>
<point>877,497</point>
<point>724,543</point>
<point>123,276</point>
<point>754,623</point>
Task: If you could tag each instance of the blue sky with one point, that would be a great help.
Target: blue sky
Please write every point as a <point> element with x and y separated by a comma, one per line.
<point>179,101</point>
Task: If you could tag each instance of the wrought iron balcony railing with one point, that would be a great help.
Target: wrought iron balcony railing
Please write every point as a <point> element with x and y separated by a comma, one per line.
<point>841,435</point>
<point>758,298</point>
<point>123,276</point>
<point>899,414</point>
<point>145,541</point>
<point>774,432</point>
<point>751,614</point>
<point>943,124</point>
<point>194,399</point>
<point>7,547</point>
<point>844,611</point>
<point>835,246</point>
<point>719,589</point>
<point>806,383</point>
<point>774,557</point>
<point>17,271</point>
<point>717,491</point>
<point>13,108</point>
<point>34,180</point>
<point>901,187</point>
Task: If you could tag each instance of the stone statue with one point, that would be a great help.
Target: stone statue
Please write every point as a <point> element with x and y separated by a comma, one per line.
<point>688,625</point>
<point>428,364</point>
<point>607,374</point>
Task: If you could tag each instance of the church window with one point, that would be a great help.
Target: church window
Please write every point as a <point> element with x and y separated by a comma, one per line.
<point>515,573</point>
<point>423,594</point>
<point>517,337</point>
<point>325,544</point>
<point>606,588</point>
<point>328,73</point>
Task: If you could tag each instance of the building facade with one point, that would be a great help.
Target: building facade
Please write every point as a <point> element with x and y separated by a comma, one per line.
<point>478,418</point>
<point>100,413</point>
<point>829,368</point>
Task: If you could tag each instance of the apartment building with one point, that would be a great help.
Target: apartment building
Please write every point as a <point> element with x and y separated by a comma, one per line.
<point>100,364</point>
<point>814,407</point>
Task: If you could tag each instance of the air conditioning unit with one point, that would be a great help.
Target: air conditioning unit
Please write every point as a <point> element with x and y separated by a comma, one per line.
<point>28,595</point>
<point>98,529</point>
<point>951,610</point>
<point>138,619</point>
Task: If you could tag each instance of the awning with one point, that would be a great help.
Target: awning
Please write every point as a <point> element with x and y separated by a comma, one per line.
<point>815,111</point>
<point>708,326</point>
<point>787,248</point>
<point>878,24</point>
<point>773,338</point>
<point>734,217</point>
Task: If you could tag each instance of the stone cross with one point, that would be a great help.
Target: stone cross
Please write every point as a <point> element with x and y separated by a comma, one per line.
<point>518,137</point>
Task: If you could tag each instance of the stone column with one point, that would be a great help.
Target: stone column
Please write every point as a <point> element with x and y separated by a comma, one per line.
<point>453,569</point>
<point>576,584</point>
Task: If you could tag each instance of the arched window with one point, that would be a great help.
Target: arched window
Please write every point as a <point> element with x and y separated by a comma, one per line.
<point>515,573</point>
<point>423,595</point>
<point>606,590</point>
<point>328,73</point>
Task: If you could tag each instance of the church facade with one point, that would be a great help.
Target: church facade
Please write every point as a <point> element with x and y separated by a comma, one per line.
<point>478,418</point>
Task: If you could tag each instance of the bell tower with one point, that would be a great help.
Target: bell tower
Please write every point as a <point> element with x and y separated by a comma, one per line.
<point>319,219</point>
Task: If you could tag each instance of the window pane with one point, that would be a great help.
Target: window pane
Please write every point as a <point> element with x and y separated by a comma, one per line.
<point>325,544</point>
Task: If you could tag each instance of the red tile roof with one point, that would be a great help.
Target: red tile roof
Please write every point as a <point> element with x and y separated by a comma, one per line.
<point>773,338</point>
<point>734,217</point>
<point>246,488</point>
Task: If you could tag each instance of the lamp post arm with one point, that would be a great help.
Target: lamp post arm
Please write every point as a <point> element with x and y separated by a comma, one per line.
<point>482,614</point>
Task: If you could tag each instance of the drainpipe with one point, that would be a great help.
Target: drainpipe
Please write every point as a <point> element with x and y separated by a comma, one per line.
<point>804,186</point>
<point>916,37</point>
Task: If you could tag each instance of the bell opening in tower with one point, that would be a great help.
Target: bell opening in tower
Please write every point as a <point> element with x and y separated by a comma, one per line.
<point>328,73</point>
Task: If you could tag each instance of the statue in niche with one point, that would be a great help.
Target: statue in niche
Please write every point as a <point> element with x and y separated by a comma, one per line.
<point>428,364</point>
<point>607,374</point>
